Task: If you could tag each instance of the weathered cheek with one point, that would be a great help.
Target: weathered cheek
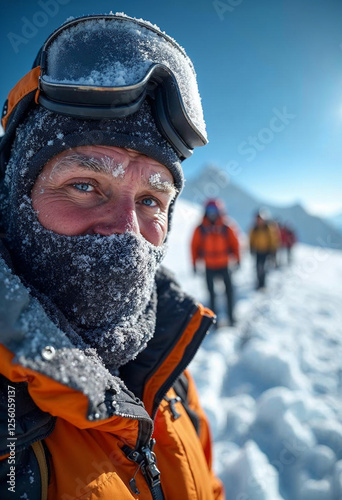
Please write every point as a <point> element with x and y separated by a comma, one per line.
<point>36,195</point>
<point>39,202</point>
<point>160,225</point>
<point>44,204</point>
<point>52,213</point>
<point>162,218</point>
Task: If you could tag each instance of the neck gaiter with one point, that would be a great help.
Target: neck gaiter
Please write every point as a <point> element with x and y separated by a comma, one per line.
<point>104,285</point>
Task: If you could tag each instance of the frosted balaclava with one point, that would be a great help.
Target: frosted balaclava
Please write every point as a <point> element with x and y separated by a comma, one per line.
<point>104,286</point>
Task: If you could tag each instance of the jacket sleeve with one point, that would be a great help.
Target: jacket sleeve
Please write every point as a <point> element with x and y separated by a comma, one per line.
<point>196,245</point>
<point>204,435</point>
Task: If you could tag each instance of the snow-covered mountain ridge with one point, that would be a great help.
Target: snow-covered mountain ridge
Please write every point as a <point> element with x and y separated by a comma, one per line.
<point>241,206</point>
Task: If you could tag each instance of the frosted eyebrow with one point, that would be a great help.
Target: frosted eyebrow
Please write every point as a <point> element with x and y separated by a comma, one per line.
<point>157,184</point>
<point>108,165</point>
<point>104,164</point>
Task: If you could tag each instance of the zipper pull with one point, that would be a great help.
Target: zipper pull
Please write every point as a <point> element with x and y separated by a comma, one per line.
<point>150,468</point>
<point>172,402</point>
<point>133,483</point>
<point>135,456</point>
<point>147,463</point>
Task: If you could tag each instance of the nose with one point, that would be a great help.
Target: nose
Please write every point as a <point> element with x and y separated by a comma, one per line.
<point>116,217</point>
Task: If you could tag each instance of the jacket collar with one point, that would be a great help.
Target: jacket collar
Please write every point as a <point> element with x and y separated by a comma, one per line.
<point>39,344</point>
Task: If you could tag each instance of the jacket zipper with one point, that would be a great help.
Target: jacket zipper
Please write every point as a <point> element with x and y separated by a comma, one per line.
<point>143,455</point>
<point>145,458</point>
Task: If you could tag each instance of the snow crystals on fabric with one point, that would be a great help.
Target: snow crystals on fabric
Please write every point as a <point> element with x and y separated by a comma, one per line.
<point>105,286</point>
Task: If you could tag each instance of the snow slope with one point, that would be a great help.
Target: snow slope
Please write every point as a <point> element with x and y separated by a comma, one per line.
<point>272,385</point>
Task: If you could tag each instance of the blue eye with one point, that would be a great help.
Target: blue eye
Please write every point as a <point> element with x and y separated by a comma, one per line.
<point>149,202</point>
<point>83,186</point>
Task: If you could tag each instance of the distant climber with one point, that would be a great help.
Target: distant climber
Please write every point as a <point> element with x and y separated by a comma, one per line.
<point>262,244</point>
<point>216,243</point>
<point>288,239</point>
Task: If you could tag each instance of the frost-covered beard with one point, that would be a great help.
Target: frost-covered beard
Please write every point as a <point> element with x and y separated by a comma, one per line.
<point>104,285</point>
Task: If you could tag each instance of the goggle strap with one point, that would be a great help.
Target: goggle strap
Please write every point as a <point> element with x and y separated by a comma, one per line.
<point>25,86</point>
<point>93,112</point>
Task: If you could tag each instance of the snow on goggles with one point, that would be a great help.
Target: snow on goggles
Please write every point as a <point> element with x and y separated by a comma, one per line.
<point>85,71</point>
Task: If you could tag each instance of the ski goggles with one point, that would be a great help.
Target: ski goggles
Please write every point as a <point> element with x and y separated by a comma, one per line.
<point>84,70</point>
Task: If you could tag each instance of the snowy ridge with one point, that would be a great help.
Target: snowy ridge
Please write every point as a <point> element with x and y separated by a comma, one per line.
<point>215,182</point>
<point>272,385</point>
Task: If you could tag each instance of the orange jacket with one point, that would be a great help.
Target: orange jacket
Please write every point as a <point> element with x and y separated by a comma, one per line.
<point>93,429</point>
<point>214,243</point>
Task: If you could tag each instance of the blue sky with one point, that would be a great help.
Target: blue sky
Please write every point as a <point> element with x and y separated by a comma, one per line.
<point>270,77</point>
